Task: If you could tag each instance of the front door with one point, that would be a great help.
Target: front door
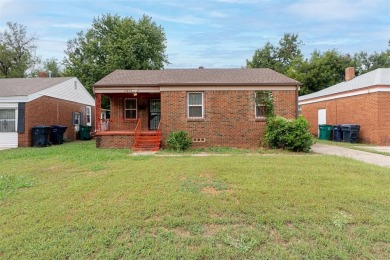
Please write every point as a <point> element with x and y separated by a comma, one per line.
<point>154,113</point>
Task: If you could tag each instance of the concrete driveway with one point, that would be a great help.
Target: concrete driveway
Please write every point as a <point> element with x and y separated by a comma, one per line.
<point>372,158</point>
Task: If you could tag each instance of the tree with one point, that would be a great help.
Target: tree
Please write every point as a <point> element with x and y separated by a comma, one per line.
<point>115,43</point>
<point>368,62</point>
<point>277,58</point>
<point>17,51</point>
<point>322,70</point>
<point>50,66</point>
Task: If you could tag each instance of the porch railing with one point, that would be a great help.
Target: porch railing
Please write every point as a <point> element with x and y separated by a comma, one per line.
<point>137,131</point>
<point>117,124</point>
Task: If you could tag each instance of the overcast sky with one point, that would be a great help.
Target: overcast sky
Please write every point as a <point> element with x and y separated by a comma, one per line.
<point>214,33</point>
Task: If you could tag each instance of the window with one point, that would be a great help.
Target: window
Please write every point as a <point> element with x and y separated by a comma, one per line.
<point>7,120</point>
<point>130,108</point>
<point>261,104</point>
<point>195,105</point>
<point>88,115</point>
<point>76,118</point>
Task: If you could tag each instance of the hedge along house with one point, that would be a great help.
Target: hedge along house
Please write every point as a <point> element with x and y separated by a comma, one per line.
<point>362,100</point>
<point>27,102</point>
<point>215,106</point>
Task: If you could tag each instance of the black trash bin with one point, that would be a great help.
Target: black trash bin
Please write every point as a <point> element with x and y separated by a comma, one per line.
<point>57,134</point>
<point>350,133</point>
<point>337,133</point>
<point>41,135</point>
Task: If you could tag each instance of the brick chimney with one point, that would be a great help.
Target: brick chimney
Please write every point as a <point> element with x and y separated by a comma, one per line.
<point>42,74</point>
<point>349,73</point>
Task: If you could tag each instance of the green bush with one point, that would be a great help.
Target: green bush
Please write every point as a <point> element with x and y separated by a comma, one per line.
<point>286,134</point>
<point>178,141</point>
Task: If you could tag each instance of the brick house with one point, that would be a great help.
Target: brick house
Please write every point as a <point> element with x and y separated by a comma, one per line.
<point>27,102</point>
<point>362,100</point>
<point>215,106</point>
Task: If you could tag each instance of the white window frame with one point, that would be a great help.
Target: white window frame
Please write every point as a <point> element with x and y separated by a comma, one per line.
<point>257,116</point>
<point>188,105</point>
<point>125,109</point>
<point>88,112</point>
<point>15,119</point>
<point>76,115</point>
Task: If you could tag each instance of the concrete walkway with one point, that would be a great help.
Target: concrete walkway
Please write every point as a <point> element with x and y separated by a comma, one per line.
<point>372,158</point>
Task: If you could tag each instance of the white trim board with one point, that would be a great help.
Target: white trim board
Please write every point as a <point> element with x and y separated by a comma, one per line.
<point>108,90</point>
<point>343,95</point>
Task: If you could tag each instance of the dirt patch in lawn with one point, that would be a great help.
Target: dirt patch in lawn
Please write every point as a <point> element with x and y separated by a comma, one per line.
<point>213,191</point>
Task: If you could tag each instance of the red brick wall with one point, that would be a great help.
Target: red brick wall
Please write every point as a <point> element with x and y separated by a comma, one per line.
<point>118,123</point>
<point>370,111</point>
<point>384,118</point>
<point>229,117</point>
<point>51,111</point>
<point>115,141</point>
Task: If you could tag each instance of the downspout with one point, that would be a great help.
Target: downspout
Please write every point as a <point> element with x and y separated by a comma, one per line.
<point>296,101</point>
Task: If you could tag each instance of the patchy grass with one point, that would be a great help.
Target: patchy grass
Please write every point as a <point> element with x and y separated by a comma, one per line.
<point>222,150</point>
<point>75,201</point>
<point>354,146</point>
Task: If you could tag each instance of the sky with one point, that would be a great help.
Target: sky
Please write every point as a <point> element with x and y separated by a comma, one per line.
<point>214,33</point>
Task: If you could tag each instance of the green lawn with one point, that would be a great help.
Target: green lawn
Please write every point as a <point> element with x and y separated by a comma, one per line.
<point>75,201</point>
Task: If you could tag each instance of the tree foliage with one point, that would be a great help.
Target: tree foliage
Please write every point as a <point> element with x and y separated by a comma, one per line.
<point>368,62</point>
<point>51,67</point>
<point>277,58</point>
<point>115,43</point>
<point>17,51</point>
<point>321,70</point>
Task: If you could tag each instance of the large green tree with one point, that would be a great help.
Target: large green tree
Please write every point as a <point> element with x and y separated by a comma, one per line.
<point>17,51</point>
<point>115,43</point>
<point>368,62</point>
<point>278,58</point>
<point>322,70</point>
<point>50,66</point>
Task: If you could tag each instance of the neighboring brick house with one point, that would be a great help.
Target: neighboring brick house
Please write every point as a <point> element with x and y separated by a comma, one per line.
<point>28,102</point>
<point>364,100</point>
<point>215,106</point>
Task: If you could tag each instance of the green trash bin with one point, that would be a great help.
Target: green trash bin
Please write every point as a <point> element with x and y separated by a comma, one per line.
<point>325,131</point>
<point>85,132</point>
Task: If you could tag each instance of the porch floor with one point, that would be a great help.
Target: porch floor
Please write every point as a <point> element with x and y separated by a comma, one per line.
<point>147,132</point>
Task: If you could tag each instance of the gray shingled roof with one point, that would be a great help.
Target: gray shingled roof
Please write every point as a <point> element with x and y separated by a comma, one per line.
<point>26,86</point>
<point>373,78</point>
<point>187,77</point>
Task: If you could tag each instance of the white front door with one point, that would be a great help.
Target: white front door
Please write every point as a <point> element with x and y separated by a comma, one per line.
<point>321,118</point>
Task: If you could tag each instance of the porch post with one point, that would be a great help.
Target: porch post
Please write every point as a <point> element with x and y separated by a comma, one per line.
<point>98,101</point>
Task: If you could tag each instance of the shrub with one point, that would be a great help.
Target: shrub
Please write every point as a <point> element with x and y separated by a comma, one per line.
<point>178,141</point>
<point>286,134</point>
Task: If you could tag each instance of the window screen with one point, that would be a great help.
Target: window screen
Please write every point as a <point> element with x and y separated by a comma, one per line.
<point>195,105</point>
<point>7,120</point>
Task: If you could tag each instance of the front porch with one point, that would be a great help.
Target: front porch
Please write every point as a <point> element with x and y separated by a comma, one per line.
<point>134,121</point>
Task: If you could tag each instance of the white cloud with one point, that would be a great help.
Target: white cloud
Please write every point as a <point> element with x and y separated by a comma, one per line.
<point>71,25</point>
<point>335,9</point>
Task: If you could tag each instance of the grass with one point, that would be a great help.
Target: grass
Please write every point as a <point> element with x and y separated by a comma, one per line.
<point>354,146</point>
<point>222,150</point>
<point>75,201</point>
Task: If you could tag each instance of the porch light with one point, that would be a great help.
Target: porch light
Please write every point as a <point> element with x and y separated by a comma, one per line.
<point>134,91</point>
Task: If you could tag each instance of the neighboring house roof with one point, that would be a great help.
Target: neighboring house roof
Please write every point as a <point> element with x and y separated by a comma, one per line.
<point>28,89</point>
<point>25,86</point>
<point>191,77</point>
<point>378,77</point>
